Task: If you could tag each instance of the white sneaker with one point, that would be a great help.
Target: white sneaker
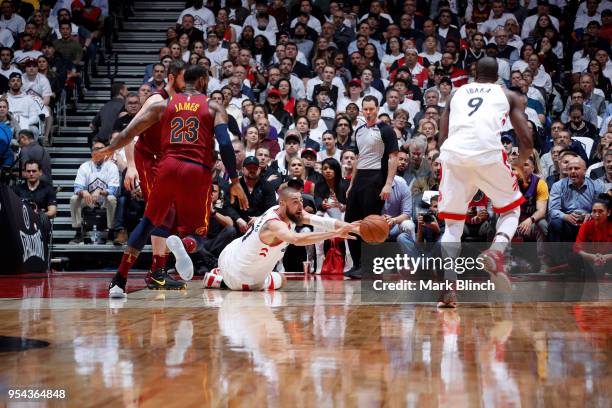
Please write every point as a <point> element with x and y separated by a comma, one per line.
<point>212,279</point>
<point>115,292</point>
<point>183,264</point>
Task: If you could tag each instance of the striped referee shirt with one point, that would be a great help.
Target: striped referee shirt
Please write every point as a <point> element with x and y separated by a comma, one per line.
<point>374,144</point>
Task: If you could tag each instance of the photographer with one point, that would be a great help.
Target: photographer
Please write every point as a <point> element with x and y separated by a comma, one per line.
<point>428,226</point>
<point>40,196</point>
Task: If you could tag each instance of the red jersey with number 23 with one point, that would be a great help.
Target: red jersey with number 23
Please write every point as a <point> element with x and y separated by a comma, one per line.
<point>187,129</point>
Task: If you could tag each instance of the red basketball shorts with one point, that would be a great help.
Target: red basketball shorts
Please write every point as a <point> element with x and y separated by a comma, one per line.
<point>146,165</point>
<point>187,186</point>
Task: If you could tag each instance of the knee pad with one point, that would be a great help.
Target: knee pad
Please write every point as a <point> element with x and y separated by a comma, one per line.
<point>274,281</point>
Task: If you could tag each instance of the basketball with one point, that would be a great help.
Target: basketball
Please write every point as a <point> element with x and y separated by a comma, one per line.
<point>374,229</point>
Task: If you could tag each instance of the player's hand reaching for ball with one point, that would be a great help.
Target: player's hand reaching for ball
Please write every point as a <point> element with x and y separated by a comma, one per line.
<point>131,179</point>
<point>345,232</point>
<point>236,192</point>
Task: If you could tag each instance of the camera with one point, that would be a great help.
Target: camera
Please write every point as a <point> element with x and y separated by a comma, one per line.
<point>428,217</point>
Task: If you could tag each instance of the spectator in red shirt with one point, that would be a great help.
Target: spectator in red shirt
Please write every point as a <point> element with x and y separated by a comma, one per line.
<point>594,240</point>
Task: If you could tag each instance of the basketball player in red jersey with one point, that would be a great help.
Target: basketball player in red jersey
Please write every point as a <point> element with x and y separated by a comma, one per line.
<point>142,161</point>
<point>184,176</point>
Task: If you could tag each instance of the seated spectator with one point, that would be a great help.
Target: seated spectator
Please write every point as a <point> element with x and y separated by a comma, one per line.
<point>7,121</point>
<point>6,67</point>
<point>10,20</point>
<point>201,19</point>
<point>157,81</point>
<point>606,178</point>
<point>35,191</point>
<point>330,148</point>
<point>95,185</point>
<point>344,132</point>
<point>102,123</point>
<point>563,158</point>
<point>265,137</point>
<point>269,171</point>
<point>348,159</point>
<point>418,166</point>
<point>163,52</point>
<point>398,213</point>
<point>67,47</point>
<point>309,156</point>
<point>22,105</point>
<point>578,127</point>
<point>277,109</point>
<point>596,170</point>
<point>36,82</point>
<point>251,140</point>
<point>260,194</point>
<point>221,232</point>
<point>532,220</point>
<point>27,51</point>
<point>570,200</point>
<point>31,150</point>
<point>589,113</point>
<point>594,239</point>
<point>297,170</point>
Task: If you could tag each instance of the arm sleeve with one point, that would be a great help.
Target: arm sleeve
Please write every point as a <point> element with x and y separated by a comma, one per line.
<point>226,149</point>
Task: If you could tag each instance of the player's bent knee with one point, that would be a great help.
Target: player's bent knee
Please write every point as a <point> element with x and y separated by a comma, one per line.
<point>275,281</point>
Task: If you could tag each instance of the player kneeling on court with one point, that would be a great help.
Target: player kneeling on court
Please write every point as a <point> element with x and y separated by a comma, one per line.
<point>247,263</point>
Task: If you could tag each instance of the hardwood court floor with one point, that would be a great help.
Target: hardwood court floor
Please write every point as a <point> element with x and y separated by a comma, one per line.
<point>312,345</point>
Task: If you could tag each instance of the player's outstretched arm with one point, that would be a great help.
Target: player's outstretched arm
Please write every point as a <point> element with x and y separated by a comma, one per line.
<point>138,125</point>
<point>329,224</point>
<point>277,230</point>
<point>227,154</point>
<point>519,122</point>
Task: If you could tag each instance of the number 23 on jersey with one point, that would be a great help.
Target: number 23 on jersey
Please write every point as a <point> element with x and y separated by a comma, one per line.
<point>184,130</point>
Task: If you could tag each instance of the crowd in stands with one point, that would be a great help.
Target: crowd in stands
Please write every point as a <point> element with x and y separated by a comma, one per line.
<point>292,77</point>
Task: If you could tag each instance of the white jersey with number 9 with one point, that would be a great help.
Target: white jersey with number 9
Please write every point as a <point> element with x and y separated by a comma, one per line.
<point>478,112</point>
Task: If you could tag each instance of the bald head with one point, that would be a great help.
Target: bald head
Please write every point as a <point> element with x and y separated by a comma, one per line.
<point>486,70</point>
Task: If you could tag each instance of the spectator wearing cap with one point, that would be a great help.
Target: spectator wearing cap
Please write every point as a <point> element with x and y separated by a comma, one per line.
<point>6,59</point>
<point>353,94</point>
<point>22,106</point>
<point>35,82</point>
<point>260,194</point>
<point>291,149</point>
<point>277,109</point>
<point>215,52</point>
<point>507,140</point>
<point>27,51</point>
<point>10,20</point>
<point>309,158</point>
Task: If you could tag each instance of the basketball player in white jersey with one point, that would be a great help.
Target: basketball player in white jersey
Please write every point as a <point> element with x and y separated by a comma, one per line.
<point>247,263</point>
<point>473,158</point>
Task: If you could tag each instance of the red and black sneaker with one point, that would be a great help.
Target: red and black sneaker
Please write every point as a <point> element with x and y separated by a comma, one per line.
<point>494,265</point>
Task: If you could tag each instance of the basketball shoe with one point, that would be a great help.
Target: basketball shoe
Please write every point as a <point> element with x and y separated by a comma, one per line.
<point>494,264</point>
<point>161,280</point>
<point>213,280</point>
<point>183,264</point>
<point>116,289</point>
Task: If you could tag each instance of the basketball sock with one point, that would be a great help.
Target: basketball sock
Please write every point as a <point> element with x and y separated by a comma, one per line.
<point>193,243</point>
<point>119,280</point>
<point>451,245</point>
<point>140,235</point>
<point>159,261</point>
<point>506,227</point>
<point>127,261</point>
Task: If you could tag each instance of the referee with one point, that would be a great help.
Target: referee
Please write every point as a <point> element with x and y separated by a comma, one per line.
<point>372,174</point>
